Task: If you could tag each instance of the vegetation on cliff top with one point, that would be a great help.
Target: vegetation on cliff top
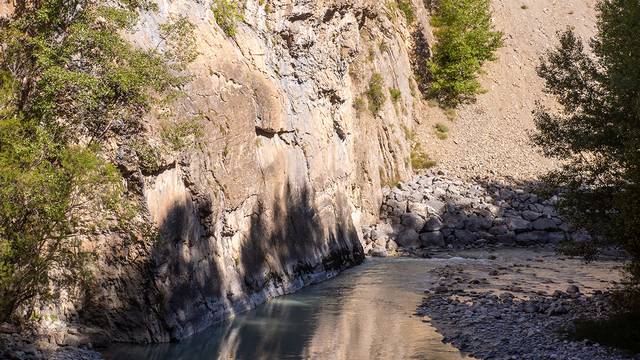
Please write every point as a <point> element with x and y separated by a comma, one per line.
<point>465,41</point>
<point>70,84</point>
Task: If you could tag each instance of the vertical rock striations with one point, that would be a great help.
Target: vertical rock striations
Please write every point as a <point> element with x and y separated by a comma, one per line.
<point>272,197</point>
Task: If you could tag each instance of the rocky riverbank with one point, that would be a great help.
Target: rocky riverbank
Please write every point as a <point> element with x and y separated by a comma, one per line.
<point>23,345</point>
<point>439,211</point>
<point>518,304</point>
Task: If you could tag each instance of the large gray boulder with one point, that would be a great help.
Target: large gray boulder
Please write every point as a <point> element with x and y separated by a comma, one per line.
<point>545,224</point>
<point>436,207</point>
<point>433,238</point>
<point>409,239</point>
<point>433,224</point>
<point>413,221</point>
<point>465,237</point>
<point>518,224</point>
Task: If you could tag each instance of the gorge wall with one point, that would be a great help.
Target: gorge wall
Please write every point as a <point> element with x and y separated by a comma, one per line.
<point>274,194</point>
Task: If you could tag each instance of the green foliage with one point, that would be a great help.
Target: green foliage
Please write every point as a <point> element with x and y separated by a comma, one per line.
<point>227,13</point>
<point>442,127</point>
<point>465,40</point>
<point>396,94</point>
<point>359,104</point>
<point>442,131</point>
<point>620,331</point>
<point>407,9</point>
<point>48,193</point>
<point>420,159</point>
<point>597,133</point>
<point>181,134</point>
<point>179,41</point>
<point>450,113</point>
<point>81,85</point>
<point>375,94</point>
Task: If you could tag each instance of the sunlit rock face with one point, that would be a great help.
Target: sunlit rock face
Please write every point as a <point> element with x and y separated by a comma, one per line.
<point>273,196</point>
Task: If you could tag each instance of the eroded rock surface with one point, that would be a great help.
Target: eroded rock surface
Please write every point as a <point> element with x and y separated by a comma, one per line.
<point>271,198</point>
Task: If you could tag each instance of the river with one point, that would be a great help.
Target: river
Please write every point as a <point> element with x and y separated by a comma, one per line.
<point>365,313</point>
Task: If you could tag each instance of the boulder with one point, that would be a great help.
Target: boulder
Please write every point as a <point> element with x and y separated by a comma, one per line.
<point>392,246</point>
<point>545,224</point>
<point>465,236</point>
<point>409,239</point>
<point>476,223</point>
<point>379,252</point>
<point>436,207</point>
<point>454,221</point>
<point>506,239</point>
<point>531,215</point>
<point>530,237</point>
<point>413,221</point>
<point>518,224</point>
<point>499,230</point>
<point>556,237</point>
<point>433,224</point>
<point>418,208</point>
<point>433,238</point>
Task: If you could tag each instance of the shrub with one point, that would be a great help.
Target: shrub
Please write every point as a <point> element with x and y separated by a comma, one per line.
<point>359,104</point>
<point>227,13</point>
<point>442,131</point>
<point>180,134</point>
<point>621,331</point>
<point>465,40</point>
<point>407,9</point>
<point>442,127</point>
<point>396,94</point>
<point>375,94</point>
<point>450,113</point>
<point>420,159</point>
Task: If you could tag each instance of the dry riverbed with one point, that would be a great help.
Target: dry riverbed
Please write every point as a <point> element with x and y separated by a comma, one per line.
<point>517,303</point>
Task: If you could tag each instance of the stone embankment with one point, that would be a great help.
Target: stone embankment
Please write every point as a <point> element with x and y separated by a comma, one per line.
<point>437,211</point>
<point>22,345</point>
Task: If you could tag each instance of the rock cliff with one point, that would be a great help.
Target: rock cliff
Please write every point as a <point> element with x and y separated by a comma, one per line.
<point>273,196</point>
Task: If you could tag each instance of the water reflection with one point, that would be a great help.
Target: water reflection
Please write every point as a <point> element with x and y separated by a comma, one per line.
<point>366,313</point>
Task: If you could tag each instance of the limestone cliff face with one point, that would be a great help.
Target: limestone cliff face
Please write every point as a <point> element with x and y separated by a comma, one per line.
<point>272,197</point>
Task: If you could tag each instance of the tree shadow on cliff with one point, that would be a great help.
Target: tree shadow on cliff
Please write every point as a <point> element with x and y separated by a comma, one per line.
<point>161,289</point>
<point>288,239</point>
<point>420,60</point>
<point>290,243</point>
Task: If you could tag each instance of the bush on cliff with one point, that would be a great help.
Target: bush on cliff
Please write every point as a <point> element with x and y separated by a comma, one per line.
<point>465,40</point>
<point>375,94</point>
<point>70,84</point>
<point>227,13</point>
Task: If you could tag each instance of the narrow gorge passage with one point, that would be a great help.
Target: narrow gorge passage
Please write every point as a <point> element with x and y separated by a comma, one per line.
<point>319,179</point>
<point>369,312</point>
